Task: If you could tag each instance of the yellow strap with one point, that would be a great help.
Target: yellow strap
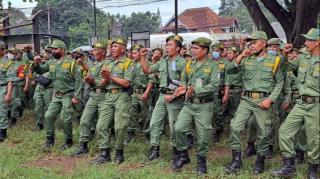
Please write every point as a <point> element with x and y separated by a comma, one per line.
<point>188,66</point>
<point>127,63</point>
<point>276,64</point>
<point>72,67</point>
<point>8,65</point>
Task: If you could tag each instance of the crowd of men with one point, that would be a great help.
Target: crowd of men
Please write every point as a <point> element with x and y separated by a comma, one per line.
<point>263,86</point>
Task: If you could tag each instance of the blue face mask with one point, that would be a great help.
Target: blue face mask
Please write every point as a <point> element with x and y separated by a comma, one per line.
<point>272,52</point>
<point>215,55</point>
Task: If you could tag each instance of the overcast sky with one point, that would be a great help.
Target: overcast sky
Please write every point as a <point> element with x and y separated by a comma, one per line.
<point>166,7</point>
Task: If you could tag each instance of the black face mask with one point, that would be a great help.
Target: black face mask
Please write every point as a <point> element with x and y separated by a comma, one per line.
<point>56,55</point>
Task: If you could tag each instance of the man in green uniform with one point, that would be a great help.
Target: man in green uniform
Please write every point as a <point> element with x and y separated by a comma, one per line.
<point>43,93</point>
<point>97,97</point>
<point>262,82</point>
<point>67,85</point>
<point>200,80</point>
<point>218,118</point>
<point>305,111</point>
<point>115,111</point>
<point>170,70</point>
<point>142,86</point>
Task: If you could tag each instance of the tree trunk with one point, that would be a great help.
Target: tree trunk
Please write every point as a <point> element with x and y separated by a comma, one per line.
<point>306,13</point>
<point>258,17</point>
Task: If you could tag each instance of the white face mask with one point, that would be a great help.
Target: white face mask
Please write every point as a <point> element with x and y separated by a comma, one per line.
<point>10,56</point>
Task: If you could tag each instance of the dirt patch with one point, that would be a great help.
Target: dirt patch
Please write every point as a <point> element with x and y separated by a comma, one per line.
<point>219,152</point>
<point>61,164</point>
<point>131,166</point>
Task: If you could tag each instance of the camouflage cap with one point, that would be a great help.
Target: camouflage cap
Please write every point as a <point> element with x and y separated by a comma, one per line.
<point>99,45</point>
<point>217,46</point>
<point>160,49</point>
<point>202,41</point>
<point>58,44</point>
<point>233,48</point>
<point>78,51</point>
<point>2,45</point>
<point>136,47</point>
<point>313,34</point>
<point>274,41</point>
<point>177,38</point>
<point>120,40</point>
<point>108,42</point>
<point>258,35</point>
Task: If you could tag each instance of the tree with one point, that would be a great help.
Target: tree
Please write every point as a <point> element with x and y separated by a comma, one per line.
<point>295,16</point>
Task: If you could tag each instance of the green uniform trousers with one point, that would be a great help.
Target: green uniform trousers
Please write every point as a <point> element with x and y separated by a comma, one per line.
<point>115,112</point>
<point>307,114</point>
<point>59,105</point>
<point>4,122</point>
<point>17,99</point>
<point>42,98</point>
<point>162,111</point>
<point>233,103</point>
<point>263,121</point>
<point>218,118</point>
<point>90,115</point>
<point>200,115</point>
<point>140,113</point>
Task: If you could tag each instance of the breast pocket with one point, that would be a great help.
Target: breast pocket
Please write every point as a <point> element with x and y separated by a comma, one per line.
<point>162,71</point>
<point>248,72</point>
<point>316,76</point>
<point>302,74</point>
<point>266,74</point>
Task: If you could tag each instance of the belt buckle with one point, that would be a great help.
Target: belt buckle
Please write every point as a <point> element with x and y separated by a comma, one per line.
<point>255,95</point>
<point>196,101</point>
<point>309,99</point>
<point>98,90</point>
<point>114,91</point>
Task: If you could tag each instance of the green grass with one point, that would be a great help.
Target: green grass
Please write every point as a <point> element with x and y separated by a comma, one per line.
<point>23,149</point>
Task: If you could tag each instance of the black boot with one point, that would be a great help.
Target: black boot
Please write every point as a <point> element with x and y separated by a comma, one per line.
<point>236,162</point>
<point>119,156</point>
<point>313,171</point>
<point>40,126</point>
<point>154,153</point>
<point>269,153</point>
<point>83,149</point>
<point>175,154</point>
<point>251,150</point>
<point>13,121</point>
<point>217,136</point>
<point>104,157</point>
<point>190,141</point>
<point>299,156</point>
<point>49,142</point>
<point>259,166</point>
<point>92,134</point>
<point>130,136</point>
<point>288,169</point>
<point>3,134</point>
<point>147,138</point>
<point>202,165</point>
<point>182,160</point>
<point>68,144</point>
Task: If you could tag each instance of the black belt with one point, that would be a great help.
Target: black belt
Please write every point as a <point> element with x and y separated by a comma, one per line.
<point>166,91</point>
<point>232,87</point>
<point>60,93</point>
<point>310,99</point>
<point>256,94</point>
<point>99,90</point>
<point>139,90</point>
<point>201,100</point>
<point>5,84</point>
<point>116,90</point>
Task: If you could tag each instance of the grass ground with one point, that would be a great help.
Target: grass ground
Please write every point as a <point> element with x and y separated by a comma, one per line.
<point>22,156</point>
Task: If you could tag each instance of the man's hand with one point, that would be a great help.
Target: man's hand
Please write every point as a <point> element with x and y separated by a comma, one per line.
<point>246,52</point>
<point>75,100</point>
<point>25,89</point>
<point>37,59</point>
<point>144,96</point>
<point>89,80</point>
<point>144,52</point>
<point>225,99</point>
<point>287,49</point>
<point>285,106</point>
<point>168,98</point>
<point>265,104</point>
<point>180,91</point>
<point>8,99</point>
<point>189,92</point>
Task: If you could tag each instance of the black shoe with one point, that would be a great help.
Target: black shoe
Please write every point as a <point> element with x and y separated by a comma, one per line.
<point>299,156</point>
<point>287,170</point>
<point>259,166</point>
<point>175,154</point>
<point>13,121</point>
<point>154,153</point>
<point>147,138</point>
<point>236,162</point>
<point>190,141</point>
<point>202,165</point>
<point>3,134</point>
<point>130,136</point>
<point>104,157</point>
<point>251,150</point>
<point>313,171</point>
<point>83,149</point>
<point>40,127</point>
<point>119,156</point>
<point>183,160</point>
<point>68,144</point>
<point>269,153</point>
<point>217,136</point>
<point>49,142</point>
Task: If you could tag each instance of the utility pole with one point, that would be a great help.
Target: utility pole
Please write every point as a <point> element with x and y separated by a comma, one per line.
<point>176,17</point>
<point>94,20</point>
<point>49,22</point>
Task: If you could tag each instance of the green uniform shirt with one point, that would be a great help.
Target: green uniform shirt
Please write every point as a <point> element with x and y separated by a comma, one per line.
<point>123,68</point>
<point>308,68</point>
<point>140,79</point>
<point>257,75</point>
<point>204,77</point>
<point>65,76</point>
<point>4,65</point>
<point>168,68</point>
<point>17,68</point>
<point>221,63</point>
<point>95,68</point>
<point>232,79</point>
